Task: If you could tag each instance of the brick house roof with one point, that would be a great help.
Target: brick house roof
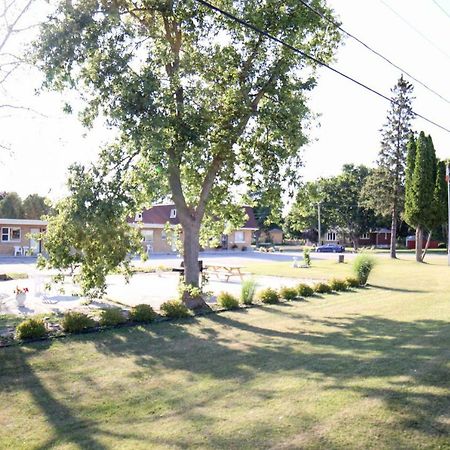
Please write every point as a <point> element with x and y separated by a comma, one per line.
<point>161,214</point>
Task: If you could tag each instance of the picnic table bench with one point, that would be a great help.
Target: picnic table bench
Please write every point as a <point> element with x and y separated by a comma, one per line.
<point>225,270</point>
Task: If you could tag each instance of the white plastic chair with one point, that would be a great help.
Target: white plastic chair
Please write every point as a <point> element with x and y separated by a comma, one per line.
<point>17,250</point>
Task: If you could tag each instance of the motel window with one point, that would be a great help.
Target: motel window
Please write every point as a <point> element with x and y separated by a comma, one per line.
<point>331,236</point>
<point>147,235</point>
<point>10,234</point>
<point>239,237</point>
<point>173,213</point>
<point>365,236</point>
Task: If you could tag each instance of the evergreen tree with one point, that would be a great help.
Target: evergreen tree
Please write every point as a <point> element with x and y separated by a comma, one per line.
<point>387,182</point>
<point>439,212</point>
<point>420,189</point>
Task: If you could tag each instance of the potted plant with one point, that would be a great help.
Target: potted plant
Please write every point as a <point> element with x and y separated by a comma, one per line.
<point>21,295</point>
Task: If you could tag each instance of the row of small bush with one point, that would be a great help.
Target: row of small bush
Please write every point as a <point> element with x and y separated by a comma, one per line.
<point>271,296</point>
<point>77,322</point>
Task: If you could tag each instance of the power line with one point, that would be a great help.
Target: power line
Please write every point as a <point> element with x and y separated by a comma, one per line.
<point>310,57</point>
<point>441,8</point>
<point>415,29</point>
<point>339,27</point>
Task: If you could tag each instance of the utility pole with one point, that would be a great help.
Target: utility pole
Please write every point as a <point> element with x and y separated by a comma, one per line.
<point>319,225</point>
<point>447,178</point>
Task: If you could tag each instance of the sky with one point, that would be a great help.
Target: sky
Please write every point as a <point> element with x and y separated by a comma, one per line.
<point>44,143</point>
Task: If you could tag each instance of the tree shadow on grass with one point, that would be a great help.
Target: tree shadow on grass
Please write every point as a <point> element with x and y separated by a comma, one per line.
<point>67,424</point>
<point>345,350</point>
<point>392,289</point>
<point>234,348</point>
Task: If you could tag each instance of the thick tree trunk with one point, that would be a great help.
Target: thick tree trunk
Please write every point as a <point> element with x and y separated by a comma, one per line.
<point>191,247</point>
<point>419,244</point>
<point>190,254</point>
<point>426,245</point>
<point>394,234</point>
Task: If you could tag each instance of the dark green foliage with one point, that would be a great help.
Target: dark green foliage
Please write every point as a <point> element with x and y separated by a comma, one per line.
<point>304,290</point>
<point>11,206</point>
<point>76,322</point>
<point>362,266</point>
<point>322,288</point>
<point>35,206</point>
<point>175,309</point>
<point>248,290</point>
<point>269,296</point>
<point>227,301</point>
<point>288,293</point>
<point>111,317</point>
<point>338,285</point>
<point>142,313</point>
<point>31,329</point>
<point>439,212</point>
<point>420,182</point>
<point>352,282</point>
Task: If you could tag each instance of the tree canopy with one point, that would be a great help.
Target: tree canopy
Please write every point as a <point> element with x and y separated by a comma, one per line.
<point>340,208</point>
<point>202,104</point>
<point>33,207</point>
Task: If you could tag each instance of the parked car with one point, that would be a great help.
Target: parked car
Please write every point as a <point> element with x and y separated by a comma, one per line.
<point>330,248</point>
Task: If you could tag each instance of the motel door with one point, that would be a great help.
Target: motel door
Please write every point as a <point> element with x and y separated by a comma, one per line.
<point>35,245</point>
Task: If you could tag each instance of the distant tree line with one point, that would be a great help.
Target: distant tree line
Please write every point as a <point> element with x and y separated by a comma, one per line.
<point>406,190</point>
<point>32,207</point>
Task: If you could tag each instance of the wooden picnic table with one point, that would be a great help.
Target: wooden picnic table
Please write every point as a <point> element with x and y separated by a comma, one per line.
<point>226,270</point>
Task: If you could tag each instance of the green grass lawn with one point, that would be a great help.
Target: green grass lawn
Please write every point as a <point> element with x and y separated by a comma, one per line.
<point>368,369</point>
<point>319,270</point>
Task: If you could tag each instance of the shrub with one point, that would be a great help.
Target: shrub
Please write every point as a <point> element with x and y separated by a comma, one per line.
<point>111,317</point>
<point>75,322</point>
<point>227,301</point>
<point>175,309</point>
<point>31,329</point>
<point>322,288</point>
<point>248,291</point>
<point>269,296</point>
<point>288,293</point>
<point>362,266</point>
<point>304,290</point>
<point>338,285</point>
<point>352,282</point>
<point>142,313</point>
<point>307,257</point>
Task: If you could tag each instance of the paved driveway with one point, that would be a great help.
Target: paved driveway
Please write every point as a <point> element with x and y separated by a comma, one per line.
<point>149,288</point>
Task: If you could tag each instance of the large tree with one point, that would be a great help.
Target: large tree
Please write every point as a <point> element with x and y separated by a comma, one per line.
<point>35,206</point>
<point>202,103</point>
<point>339,202</point>
<point>11,206</point>
<point>384,190</point>
<point>303,215</point>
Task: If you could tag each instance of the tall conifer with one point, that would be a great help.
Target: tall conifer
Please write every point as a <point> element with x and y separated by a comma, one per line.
<point>384,191</point>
